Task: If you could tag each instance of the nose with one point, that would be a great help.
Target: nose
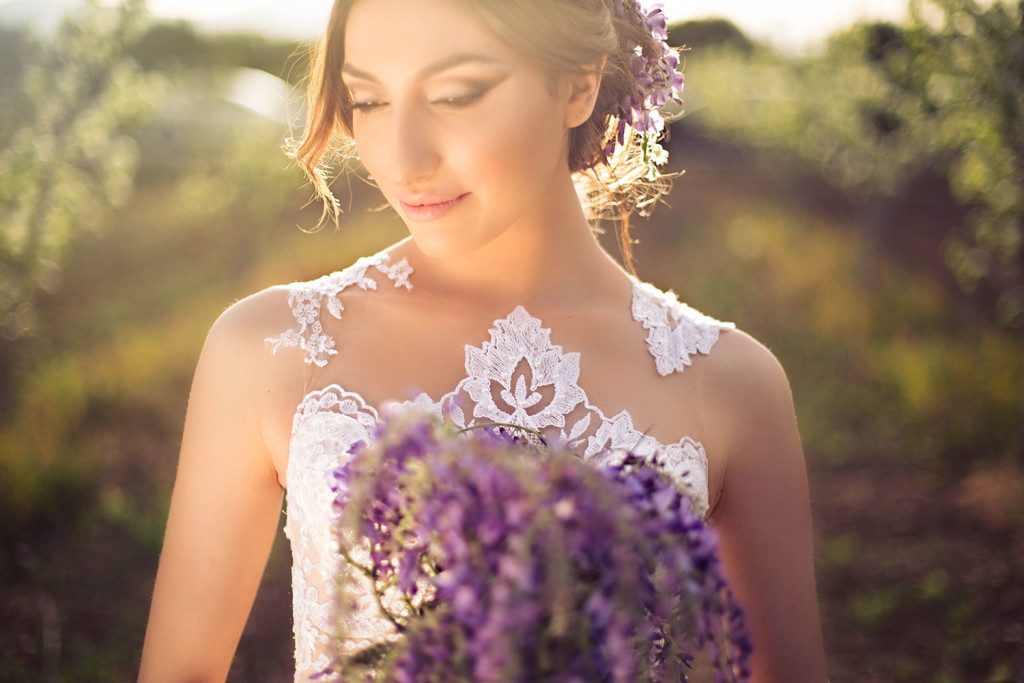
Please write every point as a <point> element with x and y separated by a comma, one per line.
<point>415,152</point>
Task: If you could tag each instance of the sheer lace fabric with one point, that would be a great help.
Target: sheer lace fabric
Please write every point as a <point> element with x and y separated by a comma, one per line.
<point>517,376</point>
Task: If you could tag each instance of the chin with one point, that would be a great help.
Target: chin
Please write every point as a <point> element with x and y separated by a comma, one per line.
<point>433,242</point>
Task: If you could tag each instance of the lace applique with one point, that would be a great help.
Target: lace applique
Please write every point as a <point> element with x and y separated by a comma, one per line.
<point>519,377</point>
<point>398,273</point>
<point>675,332</point>
<point>306,300</point>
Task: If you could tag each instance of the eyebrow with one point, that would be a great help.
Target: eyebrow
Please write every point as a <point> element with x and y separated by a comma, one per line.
<point>430,70</point>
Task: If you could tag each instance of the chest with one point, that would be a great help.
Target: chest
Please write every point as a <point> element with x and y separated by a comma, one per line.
<point>535,369</point>
<point>602,381</point>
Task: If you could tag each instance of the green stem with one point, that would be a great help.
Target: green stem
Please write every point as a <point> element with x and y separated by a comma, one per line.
<point>378,595</point>
<point>509,425</point>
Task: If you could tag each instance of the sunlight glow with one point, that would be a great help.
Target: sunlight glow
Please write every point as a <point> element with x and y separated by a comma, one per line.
<point>795,25</point>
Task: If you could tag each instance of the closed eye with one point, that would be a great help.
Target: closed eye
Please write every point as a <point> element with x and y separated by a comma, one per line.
<point>365,106</point>
<point>463,101</point>
<point>452,102</point>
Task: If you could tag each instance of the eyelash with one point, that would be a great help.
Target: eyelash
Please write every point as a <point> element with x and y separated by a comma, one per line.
<point>456,102</point>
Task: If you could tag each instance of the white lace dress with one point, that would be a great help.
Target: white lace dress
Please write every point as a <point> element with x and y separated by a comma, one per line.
<point>517,377</point>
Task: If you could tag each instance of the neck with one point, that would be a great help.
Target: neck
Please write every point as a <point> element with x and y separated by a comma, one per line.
<point>550,258</point>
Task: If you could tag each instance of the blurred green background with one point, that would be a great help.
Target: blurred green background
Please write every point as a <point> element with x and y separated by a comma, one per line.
<point>859,209</point>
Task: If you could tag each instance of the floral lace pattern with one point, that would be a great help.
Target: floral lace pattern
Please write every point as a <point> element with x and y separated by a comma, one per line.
<point>307,298</point>
<point>517,377</point>
<point>675,332</point>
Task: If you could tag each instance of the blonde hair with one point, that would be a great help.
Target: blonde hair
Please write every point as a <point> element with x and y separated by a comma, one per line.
<point>562,37</point>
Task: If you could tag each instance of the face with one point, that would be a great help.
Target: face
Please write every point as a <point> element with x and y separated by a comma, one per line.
<point>463,136</point>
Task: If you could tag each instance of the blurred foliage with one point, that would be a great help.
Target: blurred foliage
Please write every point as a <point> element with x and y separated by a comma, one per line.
<point>176,45</point>
<point>962,65</point>
<point>884,104</point>
<point>156,278</point>
<point>816,108</point>
<point>702,34</point>
<point>879,373</point>
<point>66,157</point>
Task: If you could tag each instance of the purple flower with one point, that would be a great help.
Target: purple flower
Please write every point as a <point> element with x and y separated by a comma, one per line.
<point>657,22</point>
<point>656,77</point>
<point>649,121</point>
<point>497,560</point>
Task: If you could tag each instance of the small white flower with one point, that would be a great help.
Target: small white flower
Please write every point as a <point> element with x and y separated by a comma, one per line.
<point>659,155</point>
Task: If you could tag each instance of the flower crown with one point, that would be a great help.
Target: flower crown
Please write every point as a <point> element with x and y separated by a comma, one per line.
<point>658,82</point>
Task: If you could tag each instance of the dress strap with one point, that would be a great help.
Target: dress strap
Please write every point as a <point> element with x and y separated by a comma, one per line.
<point>306,300</point>
<point>675,332</point>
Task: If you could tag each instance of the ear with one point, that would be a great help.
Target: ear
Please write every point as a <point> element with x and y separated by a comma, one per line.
<point>581,94</point>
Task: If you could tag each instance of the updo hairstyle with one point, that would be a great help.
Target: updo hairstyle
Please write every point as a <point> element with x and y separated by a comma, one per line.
<point>561,37</point>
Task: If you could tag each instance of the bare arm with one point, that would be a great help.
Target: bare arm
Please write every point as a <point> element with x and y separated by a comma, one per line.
<point>223,517</point>
<point>763,516</point>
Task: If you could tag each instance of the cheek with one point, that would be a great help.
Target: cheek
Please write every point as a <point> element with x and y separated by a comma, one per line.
<point>368,148</point>
<point>517,147</point>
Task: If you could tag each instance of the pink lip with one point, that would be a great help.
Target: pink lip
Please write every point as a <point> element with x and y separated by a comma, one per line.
<point>428,208</point>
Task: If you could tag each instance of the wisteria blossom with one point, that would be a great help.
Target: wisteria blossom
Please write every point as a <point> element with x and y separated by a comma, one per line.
<point>498,559</point>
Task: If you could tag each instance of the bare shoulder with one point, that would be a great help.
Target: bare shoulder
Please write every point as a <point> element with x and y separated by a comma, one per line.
<point>236,348</point>
<point>257,316</point>
<point>241,388</point>
<point>747,396</point>
<point>740,364</point>
<point>742,368</point>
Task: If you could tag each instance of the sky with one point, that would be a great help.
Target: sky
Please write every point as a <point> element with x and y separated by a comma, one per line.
<point>792,24</point>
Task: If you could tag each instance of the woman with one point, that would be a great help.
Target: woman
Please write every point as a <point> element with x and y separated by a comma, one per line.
<point>474,118</point>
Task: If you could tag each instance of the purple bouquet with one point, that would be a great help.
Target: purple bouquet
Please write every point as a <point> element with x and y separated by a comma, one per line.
<point>498,558</point>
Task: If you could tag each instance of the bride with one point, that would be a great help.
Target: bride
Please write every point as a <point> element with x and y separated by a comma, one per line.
<point>497,131</point>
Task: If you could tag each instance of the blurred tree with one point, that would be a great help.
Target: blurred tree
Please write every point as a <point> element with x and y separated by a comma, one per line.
<point>14,44</point>
<point>707,33</point>
<point>169,43</point>
<point>177,44</point>
<point>961,65</point>
<point>883,104</point>
<point>65,156</point>
<point>830,109</point>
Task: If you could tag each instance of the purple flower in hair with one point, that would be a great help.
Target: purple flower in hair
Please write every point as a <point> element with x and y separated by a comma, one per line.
<point>639,64</point>
<point>657,22</point>
<point>656,78</point>
<point>649,121</point>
